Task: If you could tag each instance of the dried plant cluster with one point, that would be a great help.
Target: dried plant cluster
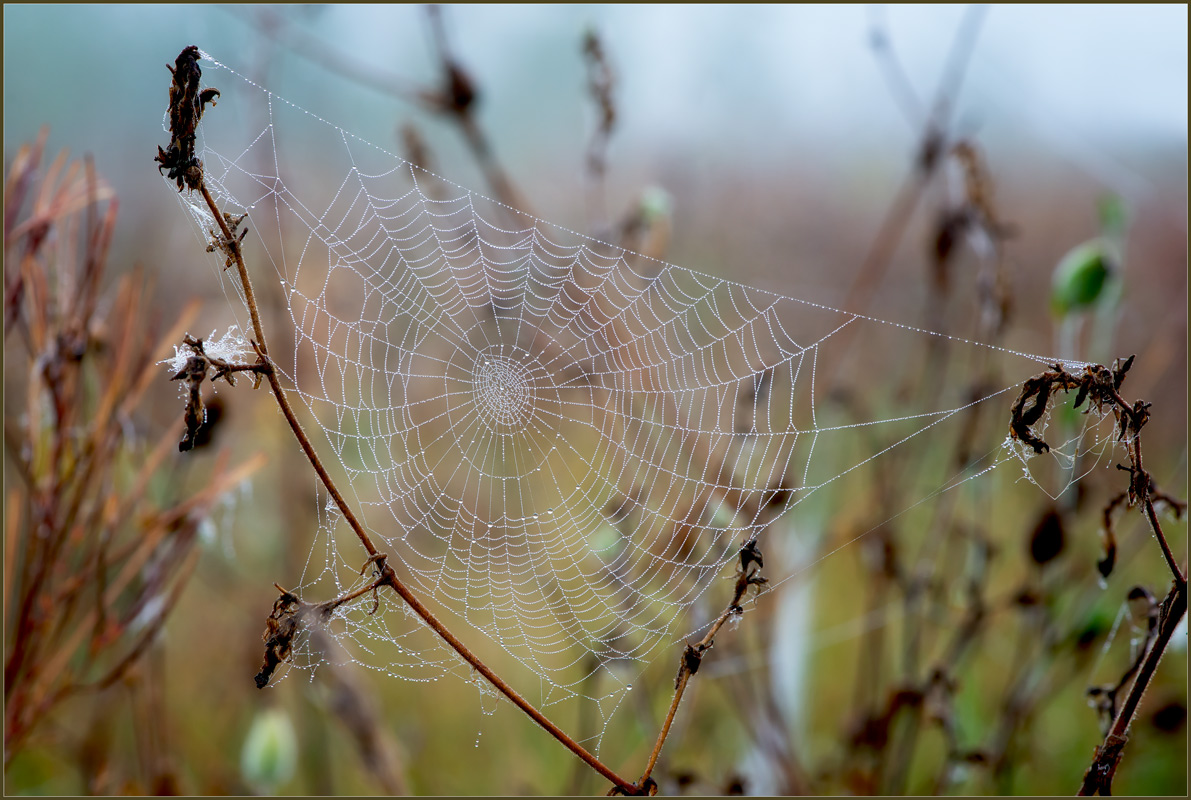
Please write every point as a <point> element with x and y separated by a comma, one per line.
<point>101,525</point>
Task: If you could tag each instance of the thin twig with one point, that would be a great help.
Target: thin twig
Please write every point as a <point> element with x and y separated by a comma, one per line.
<point>1147,504</point>
<point>389,577</point>
<point>456,98</point>
<point>1100,386</point>
<point>931,145</point>
<point>895,74</point>
<point>459,97</point>
<point>275,26</point>
<point>1100,773</point>
<point>692,656</point>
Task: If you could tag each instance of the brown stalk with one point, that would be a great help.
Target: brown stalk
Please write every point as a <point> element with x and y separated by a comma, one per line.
<point>388,576</point>
<point>1100,386</point>
<point>923,581</point>
<point>601,81</point>
<point>692,656</point>
<point>146,546</point>
<point>77,544</point>
<point>931,145</point>
<point>458,98</point>
<point>1100,773</point>
<point>455,98</point>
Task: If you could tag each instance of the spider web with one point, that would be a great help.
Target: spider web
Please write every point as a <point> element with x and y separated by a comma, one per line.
<point>560,444</point>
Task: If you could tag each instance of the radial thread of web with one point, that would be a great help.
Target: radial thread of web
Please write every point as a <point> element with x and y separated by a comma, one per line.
<point>559,444</point>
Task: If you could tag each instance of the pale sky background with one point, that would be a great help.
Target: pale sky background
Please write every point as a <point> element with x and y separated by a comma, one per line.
<point>733,84</point>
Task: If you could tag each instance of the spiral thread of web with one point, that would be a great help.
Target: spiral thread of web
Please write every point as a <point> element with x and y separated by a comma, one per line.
<point>559,442</point>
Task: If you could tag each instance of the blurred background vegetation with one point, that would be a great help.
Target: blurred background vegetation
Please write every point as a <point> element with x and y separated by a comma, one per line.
<point>772,141</point>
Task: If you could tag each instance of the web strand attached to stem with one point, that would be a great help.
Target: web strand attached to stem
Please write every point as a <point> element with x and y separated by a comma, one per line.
<point>559,443</point>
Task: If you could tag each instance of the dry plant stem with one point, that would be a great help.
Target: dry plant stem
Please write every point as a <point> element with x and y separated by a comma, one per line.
<point>458,97</point>
<point>313,49</point>
<point>691,658</point>
<point>94,564</point>
<point>895,75</point>
<point>930,150</point>
<point>1140,476</point>
<point>683,679</point>
<point>1180,580</point>
<point>600,83</point>
<point>388,576</point>
<point>1099,775</point>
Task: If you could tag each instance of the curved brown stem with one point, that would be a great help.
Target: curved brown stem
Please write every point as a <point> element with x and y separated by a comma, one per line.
<point>1100,773</point>
<point>389,577</point>
<point>692,656</point>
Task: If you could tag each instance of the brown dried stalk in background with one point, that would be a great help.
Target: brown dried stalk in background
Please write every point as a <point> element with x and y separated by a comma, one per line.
<point>1100,386</point>
<point>96,551</point>
<point>456,97</point>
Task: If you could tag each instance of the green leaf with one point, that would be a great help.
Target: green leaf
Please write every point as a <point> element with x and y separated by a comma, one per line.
<point>1080,277</point>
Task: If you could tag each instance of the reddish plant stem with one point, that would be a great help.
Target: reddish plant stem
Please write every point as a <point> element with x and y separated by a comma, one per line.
<point>684,677</point>
<point>388,576</point>
<point>1100,773</point>
<point>1151,516</point>
<point>691,658</point>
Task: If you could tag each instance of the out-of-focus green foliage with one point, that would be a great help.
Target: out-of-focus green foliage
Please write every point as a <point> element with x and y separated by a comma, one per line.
<point>1080,277</point>
<point>270,753</point>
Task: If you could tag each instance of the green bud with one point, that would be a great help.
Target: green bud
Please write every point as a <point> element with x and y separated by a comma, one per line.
<point>655,203</point>
<point>1080,277</point>
<point>270,752</point>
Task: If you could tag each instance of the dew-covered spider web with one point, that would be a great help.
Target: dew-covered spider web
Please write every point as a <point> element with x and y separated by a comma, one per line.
<point>561,445</point>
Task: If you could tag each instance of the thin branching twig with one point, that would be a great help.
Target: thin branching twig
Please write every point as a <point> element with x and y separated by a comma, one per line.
<point>1100,386</point>
<point>456,97</point>
<point>188,67</point>
<point>748,575</point>
<point>95,559</point>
